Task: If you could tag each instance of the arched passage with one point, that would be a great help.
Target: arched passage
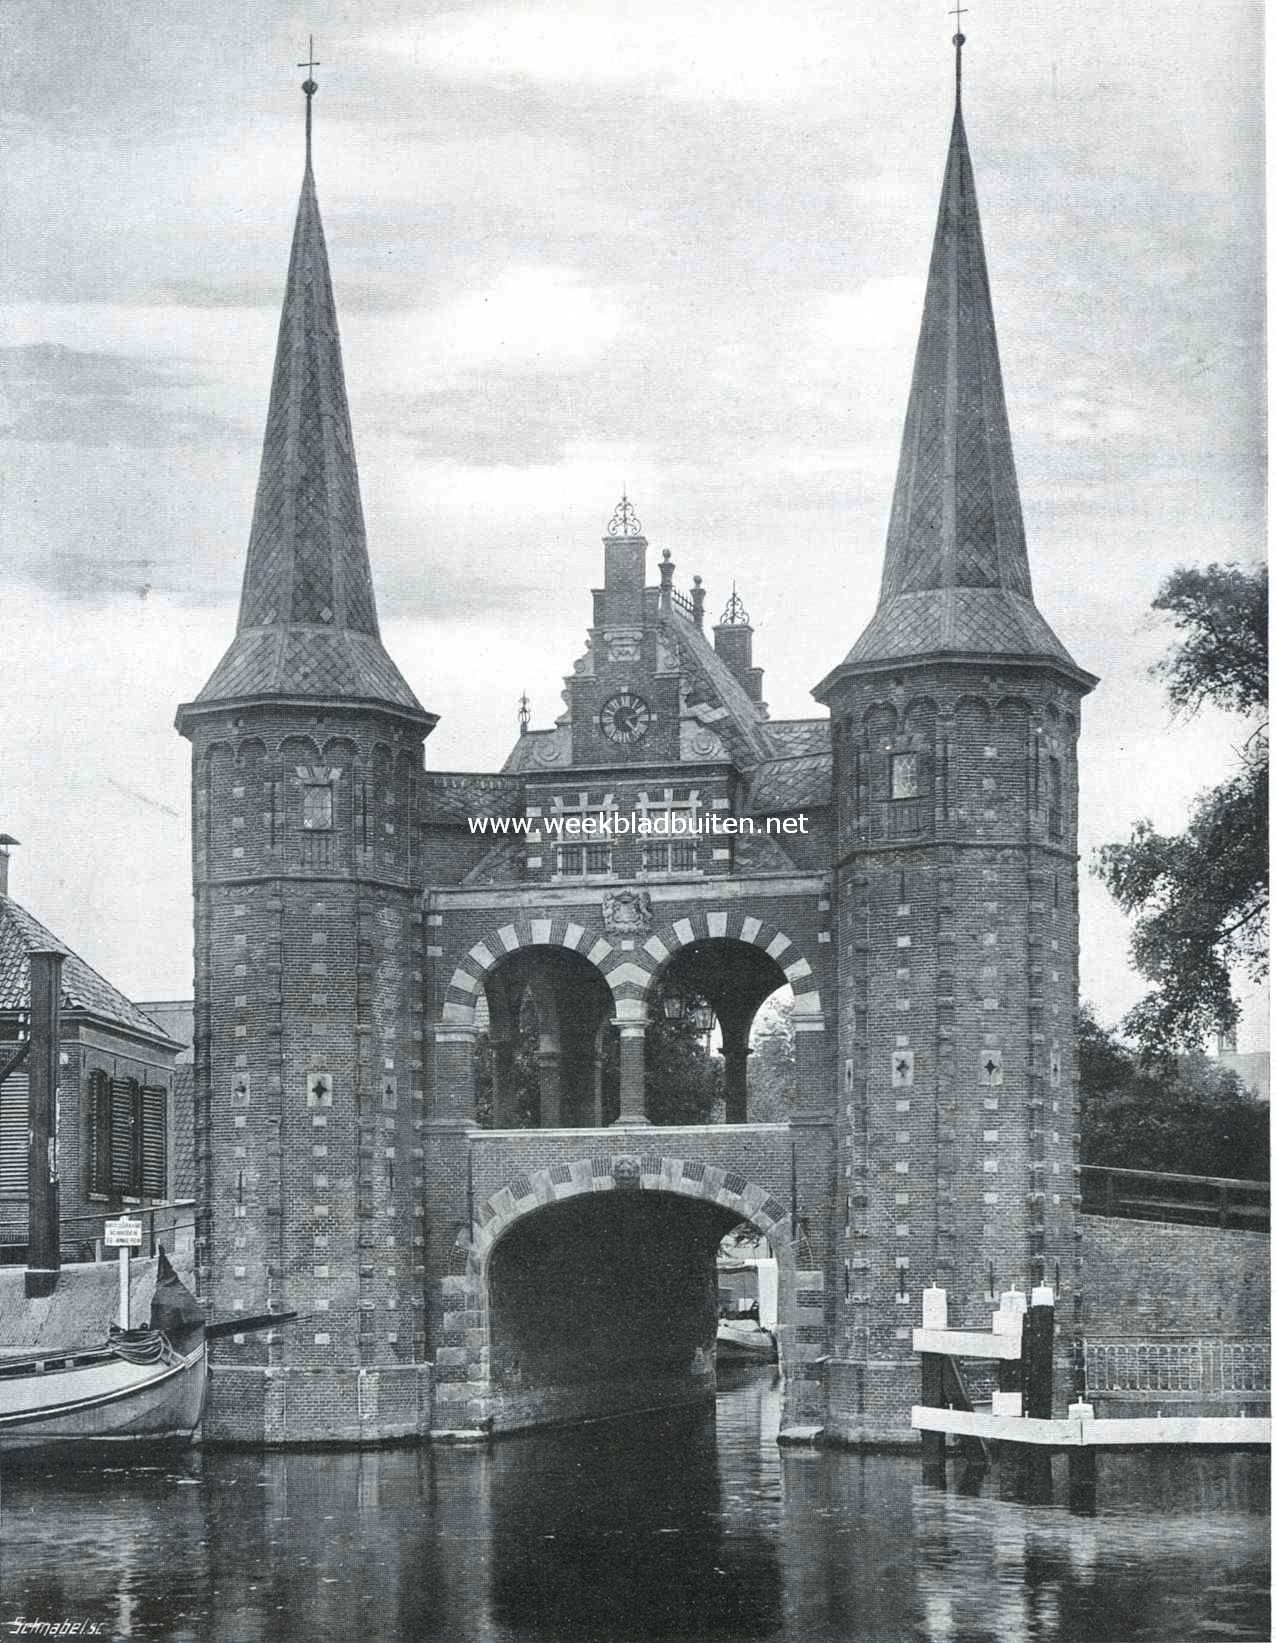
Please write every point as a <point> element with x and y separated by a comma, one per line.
<point>549,1014</point>
<point>731,979</point>
<point>632,967</point>
<point>593,1284</point>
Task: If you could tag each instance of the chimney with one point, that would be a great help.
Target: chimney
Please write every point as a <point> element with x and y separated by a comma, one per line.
<point>733,641</point>
<point>6,842</point>
<point>43,1243</point>
<point>625,568</point>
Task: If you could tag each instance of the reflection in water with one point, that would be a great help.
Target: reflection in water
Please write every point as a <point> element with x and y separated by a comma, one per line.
<point>669,1527</point>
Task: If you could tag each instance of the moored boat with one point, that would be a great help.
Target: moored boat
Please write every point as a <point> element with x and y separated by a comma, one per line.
<point>743,1340</point>
<point>140,1386</point>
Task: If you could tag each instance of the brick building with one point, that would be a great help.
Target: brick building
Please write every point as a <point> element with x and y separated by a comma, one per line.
<point>905,863</point>
<point>118,1131</point>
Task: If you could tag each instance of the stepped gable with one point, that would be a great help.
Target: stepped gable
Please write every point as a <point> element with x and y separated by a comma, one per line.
<point>743,729</point>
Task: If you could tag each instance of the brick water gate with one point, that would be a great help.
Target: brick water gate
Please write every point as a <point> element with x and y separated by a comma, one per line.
<point>373,938</point>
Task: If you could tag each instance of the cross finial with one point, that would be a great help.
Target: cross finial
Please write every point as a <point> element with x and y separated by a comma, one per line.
<point>959,40</point>
<point>309,86</point>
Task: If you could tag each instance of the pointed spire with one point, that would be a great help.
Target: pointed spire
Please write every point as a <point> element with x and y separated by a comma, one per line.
<point>307,614</point>
<point>956,520</point>
<point>956,576</point>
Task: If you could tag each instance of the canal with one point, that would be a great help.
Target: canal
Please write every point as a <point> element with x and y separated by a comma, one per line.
<point>687,1527</point>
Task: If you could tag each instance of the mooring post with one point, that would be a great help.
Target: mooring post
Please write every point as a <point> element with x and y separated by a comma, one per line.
<point>1009,1320</point>
<point>44,1254</point>
<point>934,1316</point>
<point>1038,1355</point>
<point>1083,1475</point>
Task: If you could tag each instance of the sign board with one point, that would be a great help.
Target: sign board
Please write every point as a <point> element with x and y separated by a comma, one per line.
<point>122,1234</point>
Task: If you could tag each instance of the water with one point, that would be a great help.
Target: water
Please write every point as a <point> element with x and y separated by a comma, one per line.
<point>659,1528</point>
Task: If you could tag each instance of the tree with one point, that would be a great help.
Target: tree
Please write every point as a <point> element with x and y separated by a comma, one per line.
<point>1184,1114</point>
<point>684,1082</point>
<point>773,1065</point>
<point>1200,897</point>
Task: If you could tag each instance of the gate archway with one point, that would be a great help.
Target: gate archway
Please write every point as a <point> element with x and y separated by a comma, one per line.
<point>535,1348</point>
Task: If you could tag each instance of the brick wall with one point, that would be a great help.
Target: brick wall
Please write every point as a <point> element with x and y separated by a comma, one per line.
<point>309,1067</point>
<point>1148,1278</point>
<point>957,942</point>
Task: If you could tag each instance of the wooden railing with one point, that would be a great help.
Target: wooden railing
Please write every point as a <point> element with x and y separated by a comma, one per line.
<point>1157,1195</point>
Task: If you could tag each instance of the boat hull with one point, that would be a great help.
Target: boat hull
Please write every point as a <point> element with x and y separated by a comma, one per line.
<point>111,1402</point>
<point>745,1343</point>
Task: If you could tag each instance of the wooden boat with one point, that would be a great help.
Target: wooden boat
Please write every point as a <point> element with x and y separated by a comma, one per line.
<point>743,1340</point>
<point>141,1386</point>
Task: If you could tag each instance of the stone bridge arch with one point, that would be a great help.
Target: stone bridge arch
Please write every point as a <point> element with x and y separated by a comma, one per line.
<point>468,1393</point>
<point>630,964</point>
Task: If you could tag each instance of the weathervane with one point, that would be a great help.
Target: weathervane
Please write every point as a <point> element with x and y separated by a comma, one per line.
<point>524,714</point>
<point>309,85</point>
<point>624,522</point>
<point>735,615</point>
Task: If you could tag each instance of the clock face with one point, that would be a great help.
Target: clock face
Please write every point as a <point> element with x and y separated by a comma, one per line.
<point>625,718</point>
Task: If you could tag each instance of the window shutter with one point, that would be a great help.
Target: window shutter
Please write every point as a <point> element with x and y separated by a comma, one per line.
<point>154,1141</point>
<point>99,1133</point>
<point>125,1137</point>
<point>14,1126</point>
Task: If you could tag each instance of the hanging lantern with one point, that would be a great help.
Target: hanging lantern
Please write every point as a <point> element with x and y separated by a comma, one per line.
<point>702,1016</point>
<point>674,1006</point>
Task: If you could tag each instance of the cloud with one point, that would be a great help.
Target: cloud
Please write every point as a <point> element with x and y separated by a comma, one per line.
<point>52,394</point>
<point>749,50</point>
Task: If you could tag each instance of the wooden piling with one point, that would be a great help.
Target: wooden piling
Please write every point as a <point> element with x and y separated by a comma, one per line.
<point>44,1260</point>
<point>1038,1355</point>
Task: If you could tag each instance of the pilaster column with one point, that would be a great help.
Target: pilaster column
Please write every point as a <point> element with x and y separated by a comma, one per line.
<point>633,1072</point>
<point>550,1066</point>
<point>735,1059</point>
<point>503,1093</point>
<point>453,1090</point>
<point>815,1091</point>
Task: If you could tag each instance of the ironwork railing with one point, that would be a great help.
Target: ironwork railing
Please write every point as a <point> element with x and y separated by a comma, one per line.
<point>1201,1367</point>
<point>683,604</point>
<point>1158,1195</point>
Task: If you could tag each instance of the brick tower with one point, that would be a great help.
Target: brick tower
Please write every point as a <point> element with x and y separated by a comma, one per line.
<point>955,719</point>
<point>307,750</point>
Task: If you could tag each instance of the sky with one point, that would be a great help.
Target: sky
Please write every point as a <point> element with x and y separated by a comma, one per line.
<point>676,246</point>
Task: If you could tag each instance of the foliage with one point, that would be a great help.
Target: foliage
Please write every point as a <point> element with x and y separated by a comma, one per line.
<point>773,1065</point>
<point>684,1082</point>
<point>1188,1114</point>
<point>1200,897</point>
<point>526,1079</point>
